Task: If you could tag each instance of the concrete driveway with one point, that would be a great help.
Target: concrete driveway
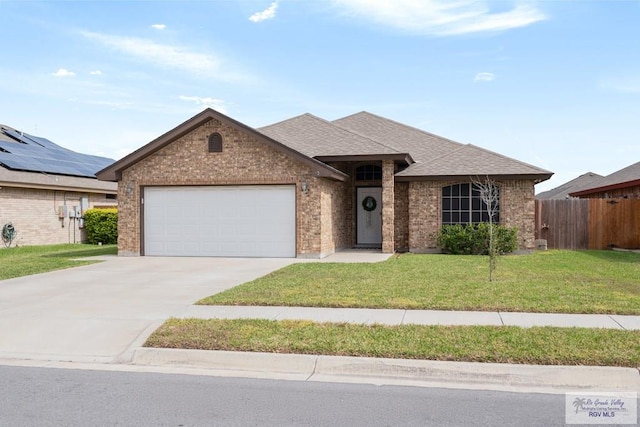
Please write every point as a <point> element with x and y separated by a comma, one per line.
<point>98,313</point>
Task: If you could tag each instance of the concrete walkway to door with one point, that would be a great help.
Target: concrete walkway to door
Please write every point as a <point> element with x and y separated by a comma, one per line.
<point>100,312</point>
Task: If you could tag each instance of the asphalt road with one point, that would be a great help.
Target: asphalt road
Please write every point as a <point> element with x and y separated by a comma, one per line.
<point>64,397</point>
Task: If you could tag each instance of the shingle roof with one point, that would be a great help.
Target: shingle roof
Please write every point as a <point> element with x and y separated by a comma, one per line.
<point>423,146</point>
<point>435,155</point>
<point>585,180</point>
<point>470,160</point>
<point>629,174</point>
<point>316,137</point>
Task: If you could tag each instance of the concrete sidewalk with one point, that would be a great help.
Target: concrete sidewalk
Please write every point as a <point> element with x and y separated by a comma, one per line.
<point>415,317</point>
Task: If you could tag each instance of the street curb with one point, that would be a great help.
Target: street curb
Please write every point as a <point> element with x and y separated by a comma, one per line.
<point>466,375</point>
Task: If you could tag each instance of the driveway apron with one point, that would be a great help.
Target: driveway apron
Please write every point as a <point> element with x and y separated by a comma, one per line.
<point>97,313</point>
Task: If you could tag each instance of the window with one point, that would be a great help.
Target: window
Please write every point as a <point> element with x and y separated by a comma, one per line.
<point>461,204</point>
<point>368,173</point>
<point>215,143</point>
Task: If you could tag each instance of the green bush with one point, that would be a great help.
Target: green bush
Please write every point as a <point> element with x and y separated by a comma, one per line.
<point>101,226</point>
<point>474,239</point>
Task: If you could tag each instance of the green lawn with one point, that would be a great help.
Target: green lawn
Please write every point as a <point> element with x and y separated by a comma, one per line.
<point>545,281</point>
<point>28,260</point>
<point>500,344</point>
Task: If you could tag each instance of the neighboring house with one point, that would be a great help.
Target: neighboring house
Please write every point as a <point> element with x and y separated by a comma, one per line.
<point>306,187</point>
<point>585,180</point>
<point>45,188</point>
<point>623,184</point>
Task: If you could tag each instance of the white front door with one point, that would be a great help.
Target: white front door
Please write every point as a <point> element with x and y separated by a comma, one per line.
<point>369,217</point>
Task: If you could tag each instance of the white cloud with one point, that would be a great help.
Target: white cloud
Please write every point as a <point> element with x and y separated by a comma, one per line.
<point>484,77</point>
<point>159,26</point>
<point>95,73</point>
<point>268,13</point>
<point>442,17</point>
<point>63,73</point>
<point>161,54</point>
<point>206,102</point>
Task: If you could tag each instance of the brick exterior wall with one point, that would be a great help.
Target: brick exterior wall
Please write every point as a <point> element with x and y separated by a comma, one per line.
<point>517,209</point>
<point>325,213</point>
<point>243,161</point>
<point>335,232</point>
<point>632,192</point>
<point>401,232</point>
<point>34,214</point>
<point>388,205</point>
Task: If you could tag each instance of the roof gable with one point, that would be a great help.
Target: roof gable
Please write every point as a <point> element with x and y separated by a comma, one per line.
<point>114,172</point>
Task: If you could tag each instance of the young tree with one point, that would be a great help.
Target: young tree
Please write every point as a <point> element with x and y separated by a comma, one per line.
<point>490,196</point>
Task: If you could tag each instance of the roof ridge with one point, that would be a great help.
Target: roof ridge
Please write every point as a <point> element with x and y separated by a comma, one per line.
<point>403,125</point>
<point>330,123</point>
<point>289,119</point>
<point>369,138</point>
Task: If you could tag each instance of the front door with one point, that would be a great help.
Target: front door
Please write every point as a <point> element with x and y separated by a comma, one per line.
<point>369,215</point>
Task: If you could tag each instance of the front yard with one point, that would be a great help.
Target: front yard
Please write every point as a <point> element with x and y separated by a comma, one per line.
<point>28,260</point>
<point>545,282</point>
<point>500,344</point>
<point>552,281</point>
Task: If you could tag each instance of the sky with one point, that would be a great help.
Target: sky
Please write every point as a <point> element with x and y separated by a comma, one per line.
<point>552,83</point>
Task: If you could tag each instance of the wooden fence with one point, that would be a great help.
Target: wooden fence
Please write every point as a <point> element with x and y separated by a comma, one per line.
<point>589,223</point>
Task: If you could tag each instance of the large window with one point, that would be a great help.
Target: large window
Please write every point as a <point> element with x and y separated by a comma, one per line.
<point>462,204</point>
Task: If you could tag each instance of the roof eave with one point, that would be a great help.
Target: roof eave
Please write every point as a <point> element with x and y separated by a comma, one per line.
<point>535,177</point>
<point>58,187</point>
<point>606,188</point>
<point>401,157</point>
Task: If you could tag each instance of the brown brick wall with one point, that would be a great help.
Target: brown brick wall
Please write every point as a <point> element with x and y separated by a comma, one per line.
<point>517,209</point>
<point>619,193</point>
<point>34,214</point>
<point>388,205</point>
<point>243,161</point>
<point>335,231</point>
<point>401,232</point>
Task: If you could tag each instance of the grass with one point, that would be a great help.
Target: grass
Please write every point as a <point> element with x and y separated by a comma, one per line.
<point>545,281</point>
<point>28,260</point>
<point>500,344</point>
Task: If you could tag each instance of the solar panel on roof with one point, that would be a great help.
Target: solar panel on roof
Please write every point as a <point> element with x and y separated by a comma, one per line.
<point>36,154</point>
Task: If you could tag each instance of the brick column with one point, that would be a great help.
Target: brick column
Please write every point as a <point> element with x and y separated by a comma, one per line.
<point>388,204</point>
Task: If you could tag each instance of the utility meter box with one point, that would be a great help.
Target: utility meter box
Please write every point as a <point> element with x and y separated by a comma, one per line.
<point>62,212</point>
<point>78,210</point>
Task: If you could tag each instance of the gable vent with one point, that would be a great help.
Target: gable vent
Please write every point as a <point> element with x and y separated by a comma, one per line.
<point>215,143</point>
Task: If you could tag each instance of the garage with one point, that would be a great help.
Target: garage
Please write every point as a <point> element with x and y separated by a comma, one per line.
<point>221,221</point>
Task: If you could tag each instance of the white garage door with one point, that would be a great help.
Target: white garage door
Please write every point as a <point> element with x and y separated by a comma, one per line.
<point>233,221</point>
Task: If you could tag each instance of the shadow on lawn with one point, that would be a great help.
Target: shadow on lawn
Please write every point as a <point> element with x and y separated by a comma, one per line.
<point>108,250</point>
<point>614,256</point>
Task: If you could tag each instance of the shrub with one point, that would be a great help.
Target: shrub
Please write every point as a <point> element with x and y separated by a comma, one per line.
<point>101,226</point>
<point>474,239</point>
